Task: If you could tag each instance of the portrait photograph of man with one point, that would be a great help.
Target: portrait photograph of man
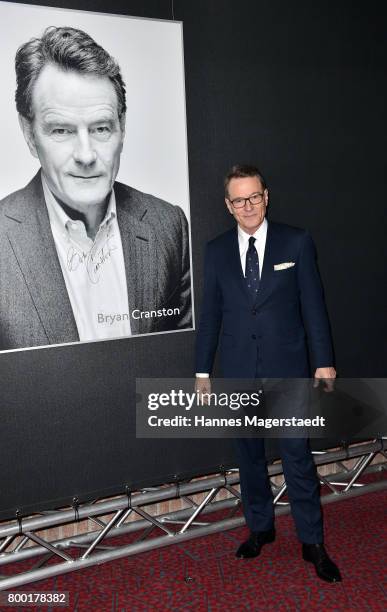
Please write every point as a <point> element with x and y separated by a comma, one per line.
<point>85,256</point>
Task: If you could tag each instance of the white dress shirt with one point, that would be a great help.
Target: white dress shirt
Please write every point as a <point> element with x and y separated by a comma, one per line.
<point>260,243</point>
<point>93,271</point>
<point>243,242</point>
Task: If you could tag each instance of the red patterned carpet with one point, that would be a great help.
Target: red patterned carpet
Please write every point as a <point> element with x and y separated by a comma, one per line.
<point>204,575</point>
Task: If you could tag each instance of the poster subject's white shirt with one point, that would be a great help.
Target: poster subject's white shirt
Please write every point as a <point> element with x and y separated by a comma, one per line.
<point>93,271</point>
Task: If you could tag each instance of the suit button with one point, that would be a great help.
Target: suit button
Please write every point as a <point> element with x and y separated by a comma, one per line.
<point>254,311</point>
<point>253,337</point>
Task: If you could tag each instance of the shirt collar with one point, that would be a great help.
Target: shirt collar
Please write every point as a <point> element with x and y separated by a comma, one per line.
<point>61,220</point>
<point>243,237</point>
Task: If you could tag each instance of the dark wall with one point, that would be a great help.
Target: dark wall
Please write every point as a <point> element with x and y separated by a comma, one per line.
<point>298,88</point>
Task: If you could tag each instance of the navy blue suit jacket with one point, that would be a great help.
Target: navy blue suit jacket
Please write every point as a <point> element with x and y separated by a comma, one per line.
<point>271,335</point>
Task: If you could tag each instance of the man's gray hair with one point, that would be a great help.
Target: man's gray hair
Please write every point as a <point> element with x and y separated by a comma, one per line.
<point>71,50</point>
<point>243,171</point>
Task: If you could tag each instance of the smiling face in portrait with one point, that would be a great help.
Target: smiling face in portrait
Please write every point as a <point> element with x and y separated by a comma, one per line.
<point>76,134</point>
<point>249,216</point>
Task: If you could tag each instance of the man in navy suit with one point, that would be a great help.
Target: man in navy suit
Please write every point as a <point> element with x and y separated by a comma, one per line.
<point>263,296</point>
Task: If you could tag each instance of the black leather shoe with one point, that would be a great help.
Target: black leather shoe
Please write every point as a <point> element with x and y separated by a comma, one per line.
<point>252,547</point>
<point>324,566</point>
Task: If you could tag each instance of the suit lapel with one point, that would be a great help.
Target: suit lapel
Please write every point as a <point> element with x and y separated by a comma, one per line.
<point>34,248</point>
<point>140,256</point>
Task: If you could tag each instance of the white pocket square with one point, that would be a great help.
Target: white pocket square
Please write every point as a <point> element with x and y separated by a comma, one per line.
<point>284,266</point>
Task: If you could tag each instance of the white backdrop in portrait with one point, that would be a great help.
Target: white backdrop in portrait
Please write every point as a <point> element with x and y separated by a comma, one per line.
<point>150,54</point>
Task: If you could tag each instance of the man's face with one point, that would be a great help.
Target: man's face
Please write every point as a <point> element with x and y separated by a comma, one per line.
<point>76,134</point>
<point>249,217</point>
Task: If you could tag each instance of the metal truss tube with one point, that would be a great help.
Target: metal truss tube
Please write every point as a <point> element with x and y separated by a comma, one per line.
<point>155,522</point>
<point>21,544</point>
<point>361,468</point>
<point>6,542</point>
<point>233,491</point>
<point>331,485</point>
<point>86,538</point>
<point>124,517</point>
<point>330,498</point>
<point>198,510</point>
<point>280,493</point>
<point>118,553</point>
<point>108,507</point>
<point>373,487</point>
<point>123,529</point>
<point>372,469</point>
<point>334,497</point>
<point>350,452</point>
<point>169,492</point>
<point>48,546</point>
<point>103,533</point>
<point>159,542</point>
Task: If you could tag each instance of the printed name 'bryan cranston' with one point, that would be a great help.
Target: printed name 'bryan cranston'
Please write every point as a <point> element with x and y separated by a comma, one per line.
<point>137,314</point>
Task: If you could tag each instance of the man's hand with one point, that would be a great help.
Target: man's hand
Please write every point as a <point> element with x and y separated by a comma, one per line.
<point>326,376</point>
<point>203,385</point>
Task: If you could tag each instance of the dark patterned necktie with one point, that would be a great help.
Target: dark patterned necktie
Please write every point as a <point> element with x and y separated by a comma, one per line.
<point>252,269</point>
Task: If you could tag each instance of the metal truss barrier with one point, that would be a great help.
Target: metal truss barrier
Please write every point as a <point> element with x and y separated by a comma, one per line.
<point>86,550</point>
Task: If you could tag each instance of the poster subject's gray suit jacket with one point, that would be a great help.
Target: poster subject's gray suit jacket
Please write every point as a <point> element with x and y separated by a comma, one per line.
<point>34,305</point>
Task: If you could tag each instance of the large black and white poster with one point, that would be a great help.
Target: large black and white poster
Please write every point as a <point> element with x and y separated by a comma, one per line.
<point>94,195</point>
